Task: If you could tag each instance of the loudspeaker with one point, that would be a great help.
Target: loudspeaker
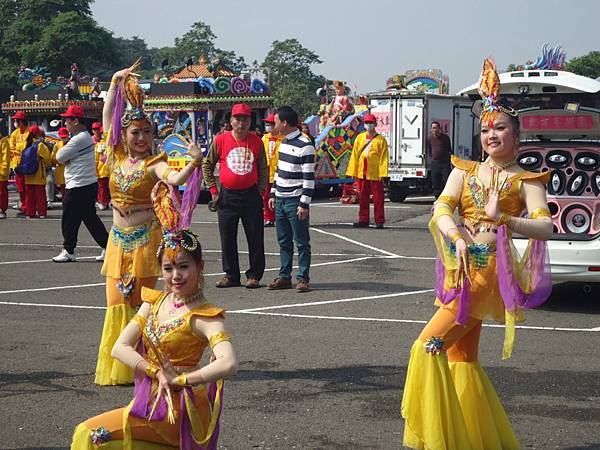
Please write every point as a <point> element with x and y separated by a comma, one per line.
<point>574,186</point>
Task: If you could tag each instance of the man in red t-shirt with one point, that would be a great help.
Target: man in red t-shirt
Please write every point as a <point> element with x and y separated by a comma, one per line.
<point>243,176</point>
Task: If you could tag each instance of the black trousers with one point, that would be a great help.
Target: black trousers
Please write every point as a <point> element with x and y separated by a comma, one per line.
<point>79,205</point>
<point>440,171</point>
<point>247,205</point>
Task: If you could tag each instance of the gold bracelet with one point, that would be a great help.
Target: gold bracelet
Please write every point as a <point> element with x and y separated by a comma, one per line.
<point>181,380</point>
<point>152,370</point>
<point>454,235</point>
<point>195,163</point>
<point>540,212</point>
<point>504,219</point>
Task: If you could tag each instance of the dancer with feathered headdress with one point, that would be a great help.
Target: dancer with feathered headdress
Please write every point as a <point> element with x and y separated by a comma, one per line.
<point>129,262</point>
<point>176,404</point>
<point>448,400</point>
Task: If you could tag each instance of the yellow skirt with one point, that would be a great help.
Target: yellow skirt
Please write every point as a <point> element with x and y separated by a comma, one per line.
<point>139,433</point>
<point>132,251</point>
<point>452,406</point>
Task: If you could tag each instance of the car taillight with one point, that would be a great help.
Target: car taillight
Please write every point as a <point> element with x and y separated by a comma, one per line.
<point>419,173</point>
<point>594,269</point>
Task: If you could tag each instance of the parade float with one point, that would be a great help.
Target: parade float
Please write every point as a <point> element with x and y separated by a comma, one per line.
<point>43,97</point>
<point>335,126</point>
<point>194,101</point>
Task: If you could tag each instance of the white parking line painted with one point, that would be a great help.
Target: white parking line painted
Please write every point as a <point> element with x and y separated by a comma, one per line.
<point>16,244</point>
<point>54,288</point>
<point>329,302</point>
<point>50,305</point>
<point>375,319</point>
<point>41,260</point>
<point>352,241</point>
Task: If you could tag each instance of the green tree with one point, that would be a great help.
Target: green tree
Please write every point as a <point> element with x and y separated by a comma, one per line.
<point>199,41</point>
<point>71,37</point>
<point>129,50</point>
<point>291,77</point>
<point>586,65</point>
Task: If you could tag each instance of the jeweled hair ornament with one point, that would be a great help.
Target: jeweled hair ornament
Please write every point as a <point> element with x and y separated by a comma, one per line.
<point>175,218</point>
<point>490,105</point>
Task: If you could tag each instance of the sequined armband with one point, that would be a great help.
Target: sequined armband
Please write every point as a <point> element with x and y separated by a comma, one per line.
<point>448,200</point>
<point>540,212</point>
<point>219,337</point>
<point>166,173</point>
<point>441,209</point>
<point>139,320</point>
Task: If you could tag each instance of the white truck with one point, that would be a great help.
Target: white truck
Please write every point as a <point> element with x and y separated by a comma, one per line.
<point>560,133</point>
<point>404,119</point>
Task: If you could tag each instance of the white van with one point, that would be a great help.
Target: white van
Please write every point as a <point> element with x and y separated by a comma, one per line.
<point>560,133</point>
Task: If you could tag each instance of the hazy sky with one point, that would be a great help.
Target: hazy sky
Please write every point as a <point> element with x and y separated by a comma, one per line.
<point>364,42</point>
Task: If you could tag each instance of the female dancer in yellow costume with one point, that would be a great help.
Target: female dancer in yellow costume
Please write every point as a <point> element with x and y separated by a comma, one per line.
<point>176,404</point>
<point>448,401</point>
<point>129,262</point>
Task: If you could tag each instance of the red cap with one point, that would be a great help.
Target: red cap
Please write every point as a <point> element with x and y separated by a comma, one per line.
<point>73,111</point>
<point>241,109</point>
<point>20,115</point>
<point>96,126</point>
<point>270,118</point>
<point>369,118</point>
<point>63,132</point>
<point>34,130</point>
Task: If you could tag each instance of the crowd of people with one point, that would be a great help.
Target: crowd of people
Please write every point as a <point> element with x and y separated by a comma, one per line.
<point>156,338</point>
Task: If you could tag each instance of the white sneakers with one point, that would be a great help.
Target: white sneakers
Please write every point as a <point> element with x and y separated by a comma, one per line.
<point>2,215</point>
<point>100,258</point>
<point>64,257</point>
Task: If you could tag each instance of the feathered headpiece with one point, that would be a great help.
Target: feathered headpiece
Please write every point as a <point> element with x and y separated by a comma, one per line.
<point>129,104</point>
<point>175,218</point>
<point>489,89</point>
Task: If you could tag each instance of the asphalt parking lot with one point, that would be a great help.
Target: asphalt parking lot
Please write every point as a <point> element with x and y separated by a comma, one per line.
<point>320,370</point>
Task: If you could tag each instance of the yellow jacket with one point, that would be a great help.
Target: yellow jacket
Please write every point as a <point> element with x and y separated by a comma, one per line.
<point>17,142</point>
<point>102,168</point>
<point>271,144</point>
<point>4,158</point>
<point>45,159</point>
<point>59,169</point>
<point>376,156</point>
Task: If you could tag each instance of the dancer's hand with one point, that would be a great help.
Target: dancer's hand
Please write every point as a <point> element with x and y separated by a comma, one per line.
<point>492,208</point>
<point>462,258</point>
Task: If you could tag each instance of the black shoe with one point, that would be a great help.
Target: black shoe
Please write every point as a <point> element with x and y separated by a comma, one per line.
<point>269,224</point>
<point>21,214</point>
<point>380,226</point>
<point>360,225</point>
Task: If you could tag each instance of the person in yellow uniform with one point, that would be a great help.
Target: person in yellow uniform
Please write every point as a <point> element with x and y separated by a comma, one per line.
<point>271,143</point>
<point>59,169</point>
<point>177,399</point>
<point>129,262</point>
<point>102,168</point>
<point>17,144</point>
<point>369,165</point>
<point>36,204</point>
<point>4,172</point>
<point>448,400</point>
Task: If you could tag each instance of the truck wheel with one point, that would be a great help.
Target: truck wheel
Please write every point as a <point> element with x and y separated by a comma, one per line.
<point>397,196</point>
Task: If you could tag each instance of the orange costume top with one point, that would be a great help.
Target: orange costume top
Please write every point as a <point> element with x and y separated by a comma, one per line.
<point>134,187</point>
<point>472,200</point>
<point>199,406</point>
<point>271,144</point>
<point>59,169</point>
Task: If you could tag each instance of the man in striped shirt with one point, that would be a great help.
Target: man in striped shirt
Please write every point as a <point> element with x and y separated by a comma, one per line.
<point>291,194</point>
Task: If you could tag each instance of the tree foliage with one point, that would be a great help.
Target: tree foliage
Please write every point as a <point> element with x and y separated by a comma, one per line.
<point>292,79</point>
<point>50,33</point>
<point>586,65</point>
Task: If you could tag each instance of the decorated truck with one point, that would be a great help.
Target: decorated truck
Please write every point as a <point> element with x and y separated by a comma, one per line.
<point>196,101</point>
<point>405,111</point>
<point>560,133</point>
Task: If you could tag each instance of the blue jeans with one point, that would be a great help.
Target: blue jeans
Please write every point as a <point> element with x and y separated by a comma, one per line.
<point>292,230</point>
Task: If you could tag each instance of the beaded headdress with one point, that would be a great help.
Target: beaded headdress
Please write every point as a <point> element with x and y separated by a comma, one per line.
<point>490,105</point>
<point>175,218</point>
<point>129,105</point>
